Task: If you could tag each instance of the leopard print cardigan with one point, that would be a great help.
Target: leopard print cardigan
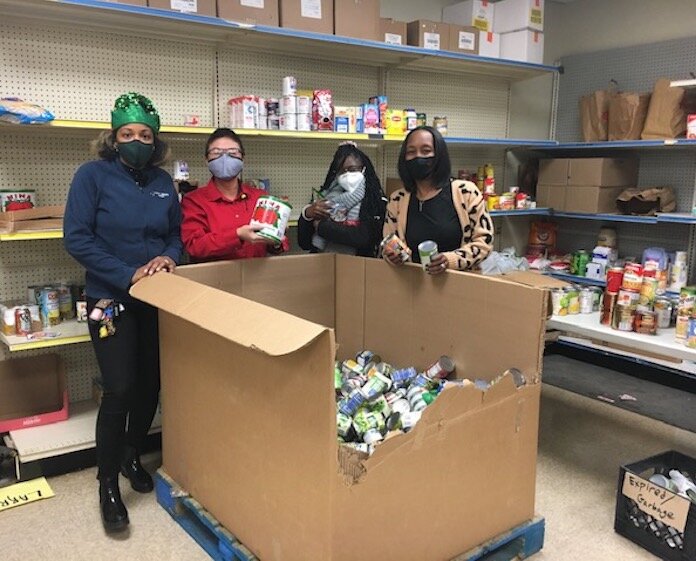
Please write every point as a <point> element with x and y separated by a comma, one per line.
<point>477,227</point>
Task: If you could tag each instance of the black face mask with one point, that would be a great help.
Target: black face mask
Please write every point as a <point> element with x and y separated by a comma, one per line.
<point>420,168</point>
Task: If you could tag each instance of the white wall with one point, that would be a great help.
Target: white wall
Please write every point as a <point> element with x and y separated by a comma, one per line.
<point>595,25</point>
<point>409,10</point>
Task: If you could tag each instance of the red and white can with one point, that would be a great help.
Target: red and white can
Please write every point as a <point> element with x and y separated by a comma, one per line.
<point>440,369</point>
<point>614,279</point>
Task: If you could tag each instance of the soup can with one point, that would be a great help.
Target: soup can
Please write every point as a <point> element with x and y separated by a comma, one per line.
<point>22,320</point>
<point>427,250</point>
<point>289,85</point>
<point>645,321</point>
<point>395,244</point>
<point>663,309</point>
<point>648,291</point>
<point>614,279</point>
<point>573,296</point>
<point>623,317</point>
<point>628,298</point>
<point>681,331</point>
<point>559,302</point>
<point>49,305</point>
<point>442,368</point>
<point>608,304</point>
<point>272,215</point>
<point>586,301</point>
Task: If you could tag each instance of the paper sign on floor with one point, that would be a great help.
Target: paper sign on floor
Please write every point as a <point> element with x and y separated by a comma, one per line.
<point>24,493</point>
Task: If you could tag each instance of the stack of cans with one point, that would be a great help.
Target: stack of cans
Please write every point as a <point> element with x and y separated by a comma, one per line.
<point>375,398</point>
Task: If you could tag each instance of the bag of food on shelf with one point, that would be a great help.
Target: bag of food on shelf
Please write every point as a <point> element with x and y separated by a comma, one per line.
<point>594,114</point>
<point>14,110</point>
<point>648,201</point>
<point>666,117</point>
<point>627,112</point>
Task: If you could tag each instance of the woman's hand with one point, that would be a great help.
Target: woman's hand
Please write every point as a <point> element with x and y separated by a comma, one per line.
<point>437,265</point>
<point>391,256</point>
<point>156,265</point>
<point>318,210</point>
<point>248,234</point>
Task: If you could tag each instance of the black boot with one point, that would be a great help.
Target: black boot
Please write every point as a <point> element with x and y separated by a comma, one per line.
<point>113,511</point>
<point>140,479</point>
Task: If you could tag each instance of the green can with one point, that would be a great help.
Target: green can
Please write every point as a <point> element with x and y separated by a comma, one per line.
<point>579,265</point>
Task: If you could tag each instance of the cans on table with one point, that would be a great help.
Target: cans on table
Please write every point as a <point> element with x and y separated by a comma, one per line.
<point>586,301</point>
<point>622,319</point>
<point>628,298</point>
<point>645,321</point>
<point>573,296</point>
<point>608,304</point>
<point>663,309</point>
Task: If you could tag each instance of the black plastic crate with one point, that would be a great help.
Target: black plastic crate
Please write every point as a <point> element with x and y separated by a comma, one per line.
<point>656,535</point>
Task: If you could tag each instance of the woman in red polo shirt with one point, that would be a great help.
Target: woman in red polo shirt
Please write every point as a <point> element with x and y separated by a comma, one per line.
<point>216,217</point>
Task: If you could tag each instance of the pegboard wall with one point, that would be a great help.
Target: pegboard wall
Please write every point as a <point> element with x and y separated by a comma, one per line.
<point>78,76</point>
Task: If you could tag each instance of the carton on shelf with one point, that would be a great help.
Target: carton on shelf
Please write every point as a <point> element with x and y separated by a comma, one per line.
<point>308,15</point>
<point>357,18</point>
<point>514,15</point>
<point>489,44</point>
<point>33,392</point>
<point>198,7</point>
<point>254,438</point>
<point>607,172</point>
<point>463,39</point>
<point>551,196</point>
<point>392,32</point>
<point>592,198</point>
<point>477,13</point>
<point>428,34</point>
<point>32,219</point>
<point>257,12</point>
<point>524,46</point>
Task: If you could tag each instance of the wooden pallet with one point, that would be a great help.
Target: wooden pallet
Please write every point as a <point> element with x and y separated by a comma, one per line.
<point>519,543</point>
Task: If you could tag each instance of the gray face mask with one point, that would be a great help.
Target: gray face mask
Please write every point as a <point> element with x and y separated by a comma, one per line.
<point>226,167</point>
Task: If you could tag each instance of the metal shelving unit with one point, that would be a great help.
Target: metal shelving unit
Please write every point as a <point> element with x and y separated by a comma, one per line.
<point>66,333</point>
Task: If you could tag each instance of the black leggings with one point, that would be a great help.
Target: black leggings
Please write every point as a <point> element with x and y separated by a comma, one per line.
<point>129,365</point>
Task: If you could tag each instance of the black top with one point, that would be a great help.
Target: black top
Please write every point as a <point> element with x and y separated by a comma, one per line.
<point>435,219</point>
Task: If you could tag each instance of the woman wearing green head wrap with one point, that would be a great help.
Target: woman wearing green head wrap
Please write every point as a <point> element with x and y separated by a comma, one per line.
<point>122,222</point>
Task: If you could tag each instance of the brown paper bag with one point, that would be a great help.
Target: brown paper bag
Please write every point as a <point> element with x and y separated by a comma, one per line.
<point>666,118</point>
<point>627,112</point>
<point>647,201</point>
<point>594,115</point>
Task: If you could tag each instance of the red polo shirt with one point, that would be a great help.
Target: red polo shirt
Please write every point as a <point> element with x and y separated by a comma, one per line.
<point>210,222</point>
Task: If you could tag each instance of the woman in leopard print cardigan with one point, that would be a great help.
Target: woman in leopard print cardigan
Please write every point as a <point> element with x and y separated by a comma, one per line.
<point>431,206</point>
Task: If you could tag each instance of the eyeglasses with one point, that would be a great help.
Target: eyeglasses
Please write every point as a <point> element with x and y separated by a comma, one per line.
<point>351,169</point>
<point>217,152</point>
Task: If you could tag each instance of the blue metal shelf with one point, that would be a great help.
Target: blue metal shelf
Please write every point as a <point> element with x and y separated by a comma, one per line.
<point>576,279</point>
<point>282,39</point>
<point>507,142</point>
<point>623,144</point>
<point>606,217</point>
<point>677,218</point>
<point>522,212</point>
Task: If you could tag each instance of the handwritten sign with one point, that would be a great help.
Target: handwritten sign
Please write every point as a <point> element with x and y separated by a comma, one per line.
<point>658,502</point>
<point>25,493</point>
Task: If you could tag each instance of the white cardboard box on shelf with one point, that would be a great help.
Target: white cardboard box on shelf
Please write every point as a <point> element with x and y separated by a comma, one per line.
<point>514,15</point>
<point>524,46</point>
<point>479,13</point>
<point>489,44</point>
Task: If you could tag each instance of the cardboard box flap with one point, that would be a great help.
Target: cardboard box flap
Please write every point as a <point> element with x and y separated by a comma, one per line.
<point>237,319</point>
<point>534,280</point>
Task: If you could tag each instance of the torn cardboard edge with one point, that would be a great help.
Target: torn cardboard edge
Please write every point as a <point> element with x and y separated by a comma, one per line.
<point>454,405</point>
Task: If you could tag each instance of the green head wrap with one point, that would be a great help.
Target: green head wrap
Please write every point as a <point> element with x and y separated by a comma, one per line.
<point>134,108</point>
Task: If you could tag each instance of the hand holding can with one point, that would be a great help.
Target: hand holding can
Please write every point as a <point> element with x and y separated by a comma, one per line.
<point>438,264</point>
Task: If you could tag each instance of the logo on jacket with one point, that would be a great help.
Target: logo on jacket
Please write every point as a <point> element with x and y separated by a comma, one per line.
<point>159,194</point>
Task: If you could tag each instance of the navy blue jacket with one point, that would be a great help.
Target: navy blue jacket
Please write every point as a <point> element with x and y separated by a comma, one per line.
<point>113,226</point>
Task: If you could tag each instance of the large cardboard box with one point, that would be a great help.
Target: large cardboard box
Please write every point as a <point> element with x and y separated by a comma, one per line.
<point>592,198</point>
<point>513,15</point>
<point>463,39</point>
<point>428,34</point>
<point>33,392</point>
<point>257,12</point>
<point>308,15</point>
<point>551,196</point>
<point>199,7</point>
<point>608,172</point>
<point>392,32</point>
<point>489,44</point>
<point>523,46</point>
<point>479,13</point>
<point>357,18</point>
<point>249,425</point>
